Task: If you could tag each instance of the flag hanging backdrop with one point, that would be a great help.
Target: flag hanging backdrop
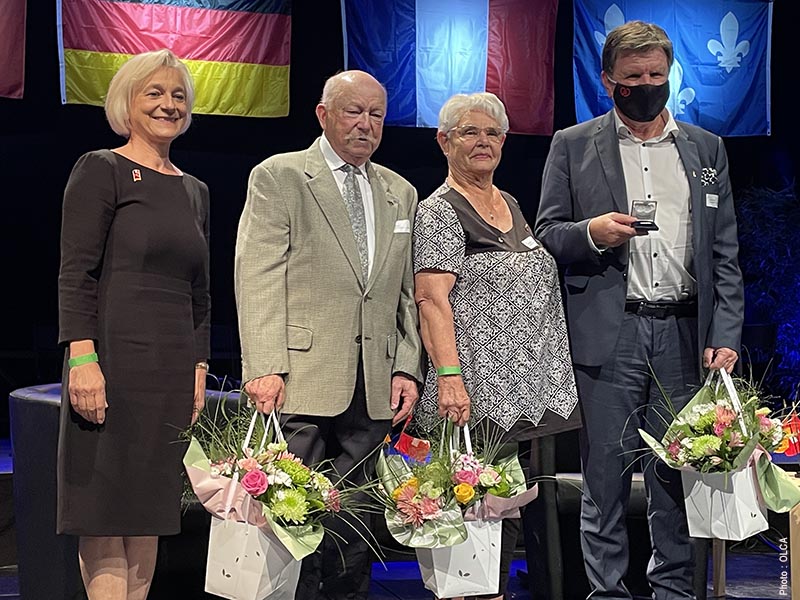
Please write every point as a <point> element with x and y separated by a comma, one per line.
<point>12,48</point>
<point>237,50</point>
<point>424,51</point>
<point>720,79</point>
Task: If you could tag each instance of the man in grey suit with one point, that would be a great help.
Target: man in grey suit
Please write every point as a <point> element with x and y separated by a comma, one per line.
<point>324,291</point>
<point>637,296</point>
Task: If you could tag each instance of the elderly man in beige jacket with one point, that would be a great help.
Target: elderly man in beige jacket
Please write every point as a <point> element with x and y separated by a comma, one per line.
<point>324,292</point>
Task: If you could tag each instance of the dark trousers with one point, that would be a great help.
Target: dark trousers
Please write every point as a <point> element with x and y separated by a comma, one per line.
<point>618,398</point>
<point>341,567</point>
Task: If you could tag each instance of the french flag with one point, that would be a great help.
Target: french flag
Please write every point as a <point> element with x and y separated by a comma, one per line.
<point>424,51</point>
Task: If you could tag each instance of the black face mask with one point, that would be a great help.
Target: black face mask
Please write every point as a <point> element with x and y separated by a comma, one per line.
<point>640,103</point>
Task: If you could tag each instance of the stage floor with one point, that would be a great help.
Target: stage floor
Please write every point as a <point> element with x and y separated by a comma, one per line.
<point>750,577</point>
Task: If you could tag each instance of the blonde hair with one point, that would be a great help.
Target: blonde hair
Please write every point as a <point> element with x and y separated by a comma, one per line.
<point>131,77</point>
<point>460,104</point>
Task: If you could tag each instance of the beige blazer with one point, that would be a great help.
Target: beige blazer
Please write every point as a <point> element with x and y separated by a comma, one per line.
<point>303,307</point>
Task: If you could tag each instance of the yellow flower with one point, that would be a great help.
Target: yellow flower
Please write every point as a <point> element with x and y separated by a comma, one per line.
<point>783,446</point>
<point>409,483</point>
<point>464,492</point>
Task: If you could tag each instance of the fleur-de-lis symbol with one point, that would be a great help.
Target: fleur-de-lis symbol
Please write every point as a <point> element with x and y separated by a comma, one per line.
<point>729,54</point>
<point>611,19</point>
<point>679,98</point>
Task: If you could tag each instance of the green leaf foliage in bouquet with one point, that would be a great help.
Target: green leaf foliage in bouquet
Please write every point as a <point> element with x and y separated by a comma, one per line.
<point>291,498</point>
<point>718,433</point>
<point>426,501</point>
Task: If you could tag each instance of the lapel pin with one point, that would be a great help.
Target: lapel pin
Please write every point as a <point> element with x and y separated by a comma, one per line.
<point>694,173</point>
<point>137,174</point>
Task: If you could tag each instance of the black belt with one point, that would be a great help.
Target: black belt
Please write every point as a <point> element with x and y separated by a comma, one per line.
<point>661,310</point>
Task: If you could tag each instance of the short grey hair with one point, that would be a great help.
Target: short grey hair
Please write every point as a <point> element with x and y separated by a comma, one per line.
<point>129,80</point>
<point>635,36</point>
<point>460,104</point>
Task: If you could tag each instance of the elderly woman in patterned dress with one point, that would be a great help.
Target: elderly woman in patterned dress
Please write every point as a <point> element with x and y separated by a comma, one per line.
<point>490,309</point>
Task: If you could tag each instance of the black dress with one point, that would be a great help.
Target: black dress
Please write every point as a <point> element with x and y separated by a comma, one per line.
<point>134,278</point>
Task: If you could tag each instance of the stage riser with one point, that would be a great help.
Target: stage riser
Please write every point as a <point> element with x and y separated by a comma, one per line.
<point>8,537</point>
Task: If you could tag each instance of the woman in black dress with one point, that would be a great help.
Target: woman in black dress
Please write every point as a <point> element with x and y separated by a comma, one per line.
<point>134,317</point>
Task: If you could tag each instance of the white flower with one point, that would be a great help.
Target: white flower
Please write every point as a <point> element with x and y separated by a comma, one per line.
<point>489,477</point>
<point>320,482</point>
<point>277,447</point>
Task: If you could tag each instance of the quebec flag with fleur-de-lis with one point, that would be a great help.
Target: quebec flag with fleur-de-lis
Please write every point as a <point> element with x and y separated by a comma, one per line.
<point>720,79</point>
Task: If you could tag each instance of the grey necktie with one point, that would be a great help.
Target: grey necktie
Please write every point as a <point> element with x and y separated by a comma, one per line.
<point>355,208</point>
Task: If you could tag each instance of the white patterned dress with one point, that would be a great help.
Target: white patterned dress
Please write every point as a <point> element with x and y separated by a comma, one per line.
<point>510,330</point>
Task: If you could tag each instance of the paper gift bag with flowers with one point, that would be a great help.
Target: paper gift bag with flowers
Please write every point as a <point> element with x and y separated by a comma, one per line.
<point>721,441</point>
<point>267,507</point>
<point>449,507</point>
<point>245,561</point>
<point>488,488</point>
<point>470,568</point>
<point>420,506</point>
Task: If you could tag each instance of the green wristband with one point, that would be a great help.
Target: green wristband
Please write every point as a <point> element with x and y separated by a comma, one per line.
<point>82,360</point>
<point>448,371</point>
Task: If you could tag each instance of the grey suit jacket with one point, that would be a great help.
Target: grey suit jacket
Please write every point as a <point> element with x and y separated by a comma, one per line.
<point>582,179</point>
<point>303,307</point>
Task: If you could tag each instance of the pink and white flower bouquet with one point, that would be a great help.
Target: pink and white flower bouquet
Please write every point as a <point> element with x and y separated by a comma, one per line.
<point>728,427</point>
<point>240,468</point>
<point>717,431</point>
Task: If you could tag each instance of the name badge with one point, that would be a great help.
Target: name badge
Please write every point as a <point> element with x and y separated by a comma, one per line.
<point>530,242</point>
<point>712,201</point>
<point>402,226</point>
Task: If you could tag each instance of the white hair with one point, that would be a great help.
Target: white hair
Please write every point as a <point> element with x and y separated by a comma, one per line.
<point>460,104</point>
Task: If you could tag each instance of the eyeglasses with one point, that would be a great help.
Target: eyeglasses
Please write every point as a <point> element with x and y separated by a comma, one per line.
<point>470,133</point>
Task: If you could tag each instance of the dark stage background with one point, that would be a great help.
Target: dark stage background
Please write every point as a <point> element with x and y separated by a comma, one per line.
<point>40,140</point>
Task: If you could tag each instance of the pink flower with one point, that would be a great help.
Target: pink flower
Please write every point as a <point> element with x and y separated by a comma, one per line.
<point>430,508</point>
<point>766,423</point>
<point>719,429</point>
<point>724,415</point>
<point>736,440</point>
<point>331,498</point>
<point>465,476</point>
<point>255,482</point>
<point>248,463</point>
<point>674,448</point>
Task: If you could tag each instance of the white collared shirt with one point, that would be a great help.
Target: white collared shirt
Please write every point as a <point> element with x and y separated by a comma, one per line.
<point>661,262</point>
<point>335,163</point>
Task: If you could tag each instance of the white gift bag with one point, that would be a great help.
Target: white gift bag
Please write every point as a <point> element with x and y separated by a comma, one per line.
<point>726,506</point>
<point>245,563</point>
<point>467,569</point>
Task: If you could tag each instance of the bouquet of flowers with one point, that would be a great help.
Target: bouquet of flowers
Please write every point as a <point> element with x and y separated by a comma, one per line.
<point>260,483</point>
<point>721,442</point>
<point>427,498</point>
<point>449,507</point>
<point>717,432</point>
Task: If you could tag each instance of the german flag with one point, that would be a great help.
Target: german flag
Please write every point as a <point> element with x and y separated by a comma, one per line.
<point>237,50</point>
